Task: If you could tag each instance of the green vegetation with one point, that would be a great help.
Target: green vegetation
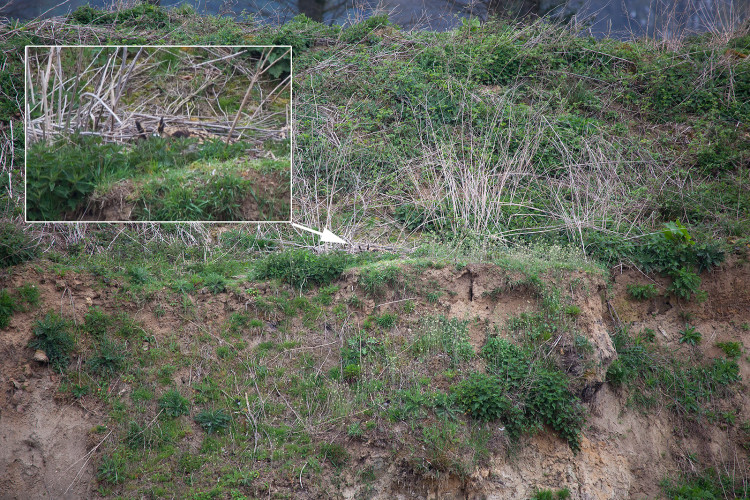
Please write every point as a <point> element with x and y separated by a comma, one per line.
<point>705,485</point>
<point>64,175</point>
<point>540,394</point>
<point>16,244</point>
<point>657,378</point>
<point>544,494</point>
<point>52,335</point>
<point>302,269</point>
<point>732,350</point>
<point>213,420</point>
<point>155,171</point>
<point>7,307</point>
<point>109,358</point>
<point>690,336</point>
<point>529,157</point>
<point>642,292</point>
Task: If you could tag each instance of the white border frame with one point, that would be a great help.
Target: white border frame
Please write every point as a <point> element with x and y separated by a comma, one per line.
<point>290,125</point>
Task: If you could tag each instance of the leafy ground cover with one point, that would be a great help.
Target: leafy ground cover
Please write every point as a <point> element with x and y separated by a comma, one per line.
<point>546,155</point>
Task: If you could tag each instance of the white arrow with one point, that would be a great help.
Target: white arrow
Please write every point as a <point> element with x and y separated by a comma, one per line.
<point>325,237</point>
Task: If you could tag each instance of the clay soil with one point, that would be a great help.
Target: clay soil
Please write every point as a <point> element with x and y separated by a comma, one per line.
<point>49,446</point>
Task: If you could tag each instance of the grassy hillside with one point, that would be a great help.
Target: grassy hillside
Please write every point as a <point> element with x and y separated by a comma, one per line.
<point>503,172</point>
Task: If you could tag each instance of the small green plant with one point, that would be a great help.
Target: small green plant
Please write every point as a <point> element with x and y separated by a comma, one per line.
<point>213,420</point>
<point>690,336</point>
<point>334,453</point>
<point>174,404</point>
<point>731,350</point>
<point>352,372</point>
<point>433,297</point>
<point>111,470</point>
<point>647,335</point>
<point>108,359</point>
<point>215,282</point>
<point>562,494</point>
<point>408,306</point>
<point>139,275</point>
<point>96,322</point>
<point>573,311</point>
<point>29,294</point>
<point>354,430</point>
<point>685,283</point>
<point>224,352</point>
<point>642,292</point>
<point>78,391</point>
<point>7,308</point>
<point>386,321</point>
<point>51,335</point>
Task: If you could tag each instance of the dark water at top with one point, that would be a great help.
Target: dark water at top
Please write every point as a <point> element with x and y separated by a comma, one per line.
<point>617,18</point>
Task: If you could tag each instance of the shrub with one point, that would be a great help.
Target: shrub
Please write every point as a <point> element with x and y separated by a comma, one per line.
<point>302,269</point>
<point>215,282</point>
<point>542,392</point>
<point>708,256</point>
<point>642,292</point>
<point>213,420</point>
<point>556,406</point>
<point>481,397</point>
<point>685,283</point>
<point>51,335</point>
<point>173,404</point>
<point>109,358</point>
<point>15,245</point>
<point>690,336</point>
<point>61,175</point>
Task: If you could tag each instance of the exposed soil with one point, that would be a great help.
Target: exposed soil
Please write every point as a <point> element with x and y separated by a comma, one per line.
<point>49,443</point>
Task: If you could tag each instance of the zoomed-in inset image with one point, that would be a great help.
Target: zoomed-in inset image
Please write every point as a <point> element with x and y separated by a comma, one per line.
<point>158,133</point>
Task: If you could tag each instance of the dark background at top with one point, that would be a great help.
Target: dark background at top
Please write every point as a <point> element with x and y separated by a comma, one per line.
<point>617,18</point>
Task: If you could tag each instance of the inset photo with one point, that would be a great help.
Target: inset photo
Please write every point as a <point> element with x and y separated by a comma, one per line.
<point>159,134</point>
